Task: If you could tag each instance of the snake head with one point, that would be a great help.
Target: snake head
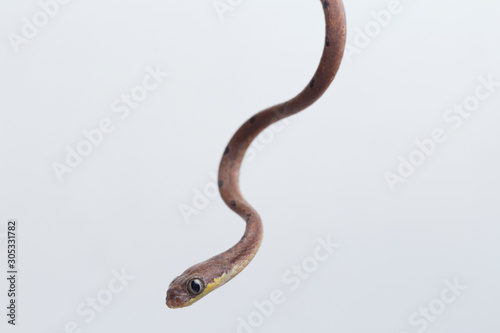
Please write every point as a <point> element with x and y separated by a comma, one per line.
<point>185,290</point>
<point>197,282</point>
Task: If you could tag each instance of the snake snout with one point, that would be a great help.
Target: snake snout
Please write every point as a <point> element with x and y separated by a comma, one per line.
<point>173,299</point>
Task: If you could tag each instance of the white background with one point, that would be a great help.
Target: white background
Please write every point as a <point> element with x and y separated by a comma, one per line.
<point>322,175</point>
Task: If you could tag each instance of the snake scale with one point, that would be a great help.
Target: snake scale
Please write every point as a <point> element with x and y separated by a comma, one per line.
<point>200,279</point>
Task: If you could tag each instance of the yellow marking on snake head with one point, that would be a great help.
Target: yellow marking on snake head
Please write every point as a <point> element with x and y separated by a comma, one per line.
<point>210,287</point>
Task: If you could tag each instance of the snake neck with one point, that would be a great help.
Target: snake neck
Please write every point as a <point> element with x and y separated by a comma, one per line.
<point>241,254</point>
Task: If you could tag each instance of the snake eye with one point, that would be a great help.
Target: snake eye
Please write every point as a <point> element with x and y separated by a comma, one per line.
<point>195,286</point>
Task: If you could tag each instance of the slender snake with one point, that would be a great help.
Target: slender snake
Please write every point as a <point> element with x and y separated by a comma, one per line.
<point>200,279</point>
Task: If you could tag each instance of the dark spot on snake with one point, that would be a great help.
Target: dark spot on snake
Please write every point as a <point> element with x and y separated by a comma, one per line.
<point>221,183</point>
<point>233,203</point>
<point>326,4</point>
<point>282,111</point>
<point>311,84</point>
<point>226,151</point>
<point>252,120</point>
<point>248,217</point>
<point>327,43</point>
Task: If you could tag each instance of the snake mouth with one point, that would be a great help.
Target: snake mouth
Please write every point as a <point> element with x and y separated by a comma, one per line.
<point>173,303</point>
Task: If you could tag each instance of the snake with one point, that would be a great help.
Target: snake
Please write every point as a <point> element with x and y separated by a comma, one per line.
<point>201,279</point>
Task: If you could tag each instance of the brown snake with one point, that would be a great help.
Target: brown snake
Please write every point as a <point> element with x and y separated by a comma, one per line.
<point>202,278</point>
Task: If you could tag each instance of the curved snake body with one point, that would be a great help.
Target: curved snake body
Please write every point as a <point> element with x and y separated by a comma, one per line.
<point>200,279</point>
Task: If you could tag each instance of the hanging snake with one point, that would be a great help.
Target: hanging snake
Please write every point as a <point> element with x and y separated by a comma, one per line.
<point>200,279</point>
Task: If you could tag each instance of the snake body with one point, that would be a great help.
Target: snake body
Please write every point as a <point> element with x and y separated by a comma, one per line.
<point>200,279</point>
